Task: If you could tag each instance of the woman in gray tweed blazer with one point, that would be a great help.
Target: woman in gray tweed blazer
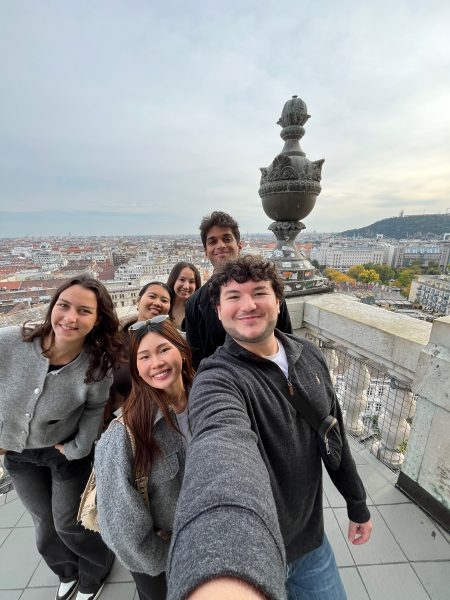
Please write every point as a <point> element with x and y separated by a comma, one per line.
<point>137,528</point>
<point>54,385</point>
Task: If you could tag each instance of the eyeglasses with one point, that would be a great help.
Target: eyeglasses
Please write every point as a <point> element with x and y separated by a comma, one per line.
<point>152,321</point>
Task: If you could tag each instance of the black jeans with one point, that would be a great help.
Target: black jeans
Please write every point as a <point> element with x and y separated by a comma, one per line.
<point>50,487</point>
<point>150,588</point>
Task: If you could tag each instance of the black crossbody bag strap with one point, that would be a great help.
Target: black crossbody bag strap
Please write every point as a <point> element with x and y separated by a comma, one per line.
<point>304,408</point>
<point>329,438</point>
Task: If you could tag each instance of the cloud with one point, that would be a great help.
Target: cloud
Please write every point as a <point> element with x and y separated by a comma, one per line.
<point>143,108</point>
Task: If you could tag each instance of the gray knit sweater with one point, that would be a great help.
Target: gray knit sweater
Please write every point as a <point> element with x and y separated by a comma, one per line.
<point>127,525</point>
<point>253,468</point>
<point>39,409</point>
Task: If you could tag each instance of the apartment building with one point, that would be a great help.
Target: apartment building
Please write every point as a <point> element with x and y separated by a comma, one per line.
<point>432,292</point>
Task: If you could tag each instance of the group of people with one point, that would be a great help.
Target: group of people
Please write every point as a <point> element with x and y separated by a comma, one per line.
<point>209,479</point>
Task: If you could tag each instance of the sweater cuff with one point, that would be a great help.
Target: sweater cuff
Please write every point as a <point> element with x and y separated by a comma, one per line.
<point>358,512</point>
<point>226,541</point>
<point>73,452</point>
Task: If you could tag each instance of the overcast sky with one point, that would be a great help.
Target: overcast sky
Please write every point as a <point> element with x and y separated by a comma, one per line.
<point>142,116</point>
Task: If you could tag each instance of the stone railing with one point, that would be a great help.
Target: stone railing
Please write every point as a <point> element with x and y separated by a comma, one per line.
<point>392,375</point>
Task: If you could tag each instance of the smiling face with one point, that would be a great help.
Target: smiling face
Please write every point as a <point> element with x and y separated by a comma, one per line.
<point>221,245</point>
<point>249,313</point>
<point>159,364</point>
<point>74,315</point>
<point>184,285</point>
<point>154,301</point>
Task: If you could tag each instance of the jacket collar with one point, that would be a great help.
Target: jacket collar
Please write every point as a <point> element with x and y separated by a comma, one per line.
<point>292,345</point>
<point>36,344</point>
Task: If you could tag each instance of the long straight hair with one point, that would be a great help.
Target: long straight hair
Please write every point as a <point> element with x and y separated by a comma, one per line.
<point>103,343</point>
<point>141,406</point>
<point>175,272</point>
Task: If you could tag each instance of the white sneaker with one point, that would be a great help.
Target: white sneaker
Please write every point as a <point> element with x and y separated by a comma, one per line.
<point>91,596</point>
<point>67,590</point>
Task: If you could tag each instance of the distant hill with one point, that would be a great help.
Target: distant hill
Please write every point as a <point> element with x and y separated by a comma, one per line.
<point>415,226</point>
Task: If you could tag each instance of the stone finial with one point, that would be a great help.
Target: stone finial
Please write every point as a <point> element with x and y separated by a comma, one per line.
<point>288,189</point>
<point>290,185</point>
<point>294,113</point>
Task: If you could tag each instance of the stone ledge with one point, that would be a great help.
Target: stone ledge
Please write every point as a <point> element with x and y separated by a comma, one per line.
<point>391,339</point>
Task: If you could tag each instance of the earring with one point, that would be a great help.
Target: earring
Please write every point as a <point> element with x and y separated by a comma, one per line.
<point>95,336</point>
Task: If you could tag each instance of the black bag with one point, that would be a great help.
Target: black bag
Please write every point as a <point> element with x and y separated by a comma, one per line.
<point>329,437</point>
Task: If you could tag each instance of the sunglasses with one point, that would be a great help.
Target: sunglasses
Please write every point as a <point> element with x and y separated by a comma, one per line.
<point>154,321</point>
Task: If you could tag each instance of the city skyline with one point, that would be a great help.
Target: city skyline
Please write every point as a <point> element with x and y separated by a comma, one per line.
<point>131,118</point>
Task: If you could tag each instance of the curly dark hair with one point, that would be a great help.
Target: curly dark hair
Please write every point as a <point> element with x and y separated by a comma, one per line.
<point>245,268</point>
<point>103,344</point>
<point>218,219</point>
<point>141,406</point>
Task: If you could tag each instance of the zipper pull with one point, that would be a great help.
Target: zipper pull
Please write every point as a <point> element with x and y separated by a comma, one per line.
<point>290,387</point>
<point>327,444</point>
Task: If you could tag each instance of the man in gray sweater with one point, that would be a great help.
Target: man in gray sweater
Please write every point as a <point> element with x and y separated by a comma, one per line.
<point>251,500</point>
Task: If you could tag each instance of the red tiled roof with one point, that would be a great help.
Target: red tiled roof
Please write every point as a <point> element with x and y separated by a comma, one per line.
<point>10,285</point>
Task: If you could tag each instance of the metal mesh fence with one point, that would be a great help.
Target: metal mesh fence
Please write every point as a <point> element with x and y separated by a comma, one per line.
<point>377,408</point>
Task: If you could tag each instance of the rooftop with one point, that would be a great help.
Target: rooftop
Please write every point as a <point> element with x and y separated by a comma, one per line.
<point>408,556</point>
<point>393,367</point>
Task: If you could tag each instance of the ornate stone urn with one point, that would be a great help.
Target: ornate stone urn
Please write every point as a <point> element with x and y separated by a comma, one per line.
<point>289,188</point>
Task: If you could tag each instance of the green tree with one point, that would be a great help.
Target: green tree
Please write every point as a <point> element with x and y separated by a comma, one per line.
<point>385,272</point>
<point>433,269</point>
<point>405,277</point>
<point>354,271</point>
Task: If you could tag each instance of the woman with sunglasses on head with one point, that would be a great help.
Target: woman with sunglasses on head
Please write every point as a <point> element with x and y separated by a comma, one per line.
<point>153,299</point>
<point>149,441</point>
<point>183,281</point>
<point>55,381</point>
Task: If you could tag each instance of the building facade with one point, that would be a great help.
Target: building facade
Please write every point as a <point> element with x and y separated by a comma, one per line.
<point>432,292</point>
<point>342,256</point>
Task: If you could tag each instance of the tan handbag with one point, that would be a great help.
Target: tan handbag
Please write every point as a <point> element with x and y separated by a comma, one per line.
<point>87,512</point>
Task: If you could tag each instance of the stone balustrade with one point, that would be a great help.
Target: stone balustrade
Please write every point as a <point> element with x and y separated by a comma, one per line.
<point>416,356</point>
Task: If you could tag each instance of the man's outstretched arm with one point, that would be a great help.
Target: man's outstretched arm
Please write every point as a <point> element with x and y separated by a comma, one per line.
<point>226,588</point>
<point>226,523</point>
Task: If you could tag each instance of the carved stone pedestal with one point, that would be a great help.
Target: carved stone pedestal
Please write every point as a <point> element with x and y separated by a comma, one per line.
<point>295,269</point>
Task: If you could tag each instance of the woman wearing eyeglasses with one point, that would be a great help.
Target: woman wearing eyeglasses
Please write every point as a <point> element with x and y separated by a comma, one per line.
<point>136,525</point>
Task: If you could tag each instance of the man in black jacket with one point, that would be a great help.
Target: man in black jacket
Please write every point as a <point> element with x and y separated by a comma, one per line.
<point>252,492</point>
<point>222,243</point>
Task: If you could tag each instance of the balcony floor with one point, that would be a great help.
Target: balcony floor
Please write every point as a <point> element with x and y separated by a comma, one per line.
<point>408,556</point>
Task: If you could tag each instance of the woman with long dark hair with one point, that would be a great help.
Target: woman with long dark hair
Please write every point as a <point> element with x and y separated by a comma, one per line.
<point>184,279</point>
<point>154,299</point>
<point>148,442</point>
<point>55,380</point>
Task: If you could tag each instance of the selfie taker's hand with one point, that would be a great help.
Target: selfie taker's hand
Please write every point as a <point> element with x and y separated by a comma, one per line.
<point>60,447</point>
<point>359,533</point>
